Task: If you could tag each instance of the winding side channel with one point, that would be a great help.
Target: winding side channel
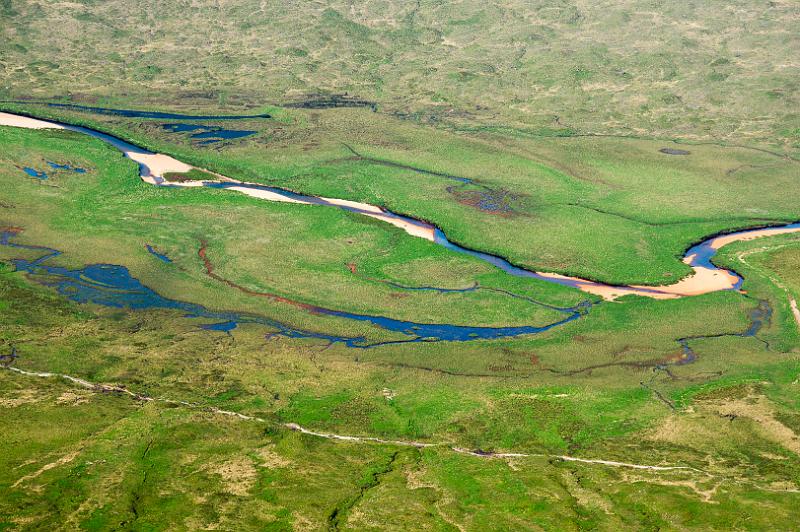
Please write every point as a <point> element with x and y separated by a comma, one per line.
<point>706,277</point>
<point>111,285</point>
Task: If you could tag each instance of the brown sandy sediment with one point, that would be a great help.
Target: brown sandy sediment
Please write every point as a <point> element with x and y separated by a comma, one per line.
<point>8,119</point>
<point>795,310</point>
<point>724,240</point>
<point>702,281</point>
<point>154,166</point>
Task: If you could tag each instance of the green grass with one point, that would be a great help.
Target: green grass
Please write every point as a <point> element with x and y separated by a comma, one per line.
<point>615,210</point>
<point>300,252</point>
<point>558,112</point>
<point>625,68</point>
<point>192,175</point>
<point>576,391</point>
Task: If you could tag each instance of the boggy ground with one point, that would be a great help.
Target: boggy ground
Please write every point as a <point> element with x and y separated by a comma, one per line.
<point>609,209</point>
<point>613,386</point>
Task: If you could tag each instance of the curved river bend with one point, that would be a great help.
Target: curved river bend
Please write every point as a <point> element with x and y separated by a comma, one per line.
<point>110,285</point>
<point>706,277</point>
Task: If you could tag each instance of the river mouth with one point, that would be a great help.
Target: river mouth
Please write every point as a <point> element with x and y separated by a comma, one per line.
<point>706,277</point>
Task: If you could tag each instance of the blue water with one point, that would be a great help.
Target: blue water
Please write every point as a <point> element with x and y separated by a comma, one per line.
<point>156,254</point>
<point>759,316</point>
<point>703,253</point>
<point>441,239</point>
<point>34,173</point>
<point>212,134</point>
<point>703,250</point>
<point>113,286</point>
<point>449,333</point>
<point>56,166</point>
<point>132,113</point>
<point>223,326</point>
<point>674,151</point>
<point>495,201</point>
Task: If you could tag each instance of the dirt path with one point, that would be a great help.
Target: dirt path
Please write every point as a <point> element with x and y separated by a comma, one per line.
<point>346,438</point>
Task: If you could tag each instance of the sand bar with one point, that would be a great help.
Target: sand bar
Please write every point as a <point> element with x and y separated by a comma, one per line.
<point>153,167</point>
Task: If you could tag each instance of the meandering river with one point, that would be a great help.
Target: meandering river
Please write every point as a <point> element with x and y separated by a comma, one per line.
<point>706,276</point>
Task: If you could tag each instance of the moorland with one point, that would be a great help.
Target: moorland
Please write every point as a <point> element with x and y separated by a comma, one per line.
<point>172,358</point>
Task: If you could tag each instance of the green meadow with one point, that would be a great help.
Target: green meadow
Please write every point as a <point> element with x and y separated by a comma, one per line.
<point>598,140</point>
<point>603,209</point>
<point>608,386</point>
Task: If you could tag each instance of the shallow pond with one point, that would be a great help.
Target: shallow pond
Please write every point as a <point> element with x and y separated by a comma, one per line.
<point>208,134</point>
<point>132,113</point>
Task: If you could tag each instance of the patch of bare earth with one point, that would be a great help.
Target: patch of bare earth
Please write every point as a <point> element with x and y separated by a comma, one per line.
<point>759,410</point>
<point>67,458</point>
<point>20,398</point>
<point>72,399</point>
<point>271,459</point>
<point>415,480</point>
<point>238,475</point>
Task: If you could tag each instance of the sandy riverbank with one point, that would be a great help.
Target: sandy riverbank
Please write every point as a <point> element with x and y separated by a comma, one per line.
<point>154,166</point>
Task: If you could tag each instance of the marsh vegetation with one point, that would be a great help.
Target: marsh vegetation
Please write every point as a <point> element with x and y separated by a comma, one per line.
<point>195,358</point>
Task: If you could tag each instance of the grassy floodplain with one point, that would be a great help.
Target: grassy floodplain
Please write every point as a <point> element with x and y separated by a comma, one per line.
<point>596,139</point>
<point>603,209</point>
<point>591,389</point>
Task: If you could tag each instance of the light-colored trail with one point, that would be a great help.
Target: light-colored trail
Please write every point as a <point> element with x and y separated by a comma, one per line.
<point>795,310</point>
<point>340,437</point>
<point>154,166</point>
<point>122,390</point>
